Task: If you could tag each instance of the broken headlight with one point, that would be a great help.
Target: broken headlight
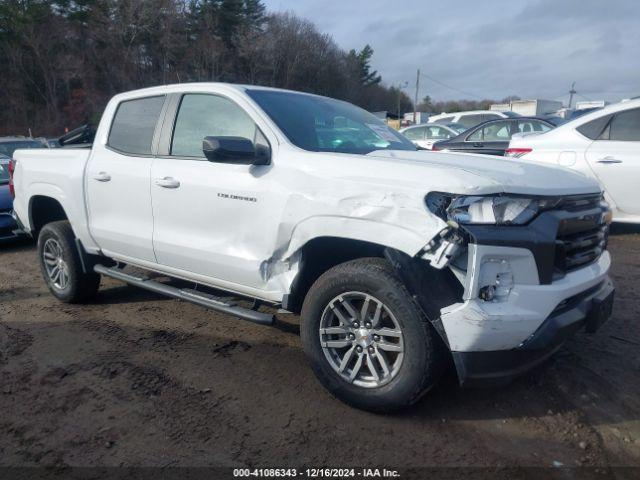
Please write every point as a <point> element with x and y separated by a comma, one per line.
<point>488,210</point>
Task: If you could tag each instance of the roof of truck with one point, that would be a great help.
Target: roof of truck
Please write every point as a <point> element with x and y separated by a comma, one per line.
<point>179,87</point>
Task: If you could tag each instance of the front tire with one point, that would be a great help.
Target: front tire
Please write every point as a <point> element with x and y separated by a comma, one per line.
<point>61,266</point>
<point>368,342</point>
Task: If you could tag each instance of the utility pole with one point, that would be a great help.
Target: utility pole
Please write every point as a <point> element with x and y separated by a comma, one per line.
<point>400,87</point>
<point>571,93</point>
<point>415,102</point>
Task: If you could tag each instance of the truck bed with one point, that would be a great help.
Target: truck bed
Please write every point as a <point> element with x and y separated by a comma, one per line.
<point>58,173</point>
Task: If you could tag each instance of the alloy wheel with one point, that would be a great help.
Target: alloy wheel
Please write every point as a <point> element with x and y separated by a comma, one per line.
<point>361,339</point>
<point>56,267</point>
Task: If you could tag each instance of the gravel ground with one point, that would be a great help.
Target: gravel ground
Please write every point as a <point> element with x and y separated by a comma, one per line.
<point>138,380</point>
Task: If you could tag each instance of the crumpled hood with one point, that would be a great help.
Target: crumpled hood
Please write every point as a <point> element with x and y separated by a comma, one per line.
<point>471,173</point>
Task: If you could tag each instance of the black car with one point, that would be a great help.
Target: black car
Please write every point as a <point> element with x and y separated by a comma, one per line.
<point>492,137</point>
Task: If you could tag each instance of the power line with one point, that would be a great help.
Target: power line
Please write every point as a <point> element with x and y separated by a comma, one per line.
<point>449,86</point>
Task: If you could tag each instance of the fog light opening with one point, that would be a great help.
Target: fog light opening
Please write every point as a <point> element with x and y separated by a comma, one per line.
<point>487,293</point>
<point>496,280</point>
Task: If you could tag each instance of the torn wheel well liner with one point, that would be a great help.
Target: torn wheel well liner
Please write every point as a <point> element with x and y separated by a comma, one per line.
<point>318,256</point>
<point>432,289</point>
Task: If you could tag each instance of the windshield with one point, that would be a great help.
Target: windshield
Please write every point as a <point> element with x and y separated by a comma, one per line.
<point>7,148</point>
<point>321,124</point>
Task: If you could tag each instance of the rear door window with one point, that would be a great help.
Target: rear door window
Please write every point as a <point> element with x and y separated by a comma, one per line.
<point>625,126</point>
<point>415,133</point>
<point>134,125</point>
<point>438,133</point>
<point>526,126</point>
<point>497,131</point>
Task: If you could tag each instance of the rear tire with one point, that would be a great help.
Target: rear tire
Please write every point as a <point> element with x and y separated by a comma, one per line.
<point>61,266</point>
<point>337,328</point>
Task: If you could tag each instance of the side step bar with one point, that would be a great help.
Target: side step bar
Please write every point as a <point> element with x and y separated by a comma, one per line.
<point>199,298</point>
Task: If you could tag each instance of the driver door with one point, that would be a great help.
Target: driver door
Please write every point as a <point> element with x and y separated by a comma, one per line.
<point>211,219</point>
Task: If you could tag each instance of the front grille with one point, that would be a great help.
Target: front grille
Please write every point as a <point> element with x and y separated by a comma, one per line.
<point>576,203</point>
<point>582,234</point>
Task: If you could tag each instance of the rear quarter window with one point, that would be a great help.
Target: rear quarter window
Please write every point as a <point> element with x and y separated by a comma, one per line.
<point>594,128</point>
<point>134,124</point>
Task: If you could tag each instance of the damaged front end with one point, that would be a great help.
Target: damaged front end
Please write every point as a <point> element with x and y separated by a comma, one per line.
<point>510,277</point>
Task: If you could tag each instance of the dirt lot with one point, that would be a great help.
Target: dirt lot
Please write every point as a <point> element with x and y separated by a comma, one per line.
<point>134,379</point>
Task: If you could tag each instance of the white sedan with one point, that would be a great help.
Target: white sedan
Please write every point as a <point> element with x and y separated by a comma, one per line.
<point>604,144</point>
<point>426,134</point>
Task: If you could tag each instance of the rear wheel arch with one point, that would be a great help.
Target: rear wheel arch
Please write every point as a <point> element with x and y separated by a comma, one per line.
<point>44,209</point>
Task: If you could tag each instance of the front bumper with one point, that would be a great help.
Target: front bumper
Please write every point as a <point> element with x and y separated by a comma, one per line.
<point>587,310</point>
<point>475,325</point>
<point>495,340</point>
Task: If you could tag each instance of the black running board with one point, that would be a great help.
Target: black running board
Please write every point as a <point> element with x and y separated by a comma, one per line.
<point>199,298</point>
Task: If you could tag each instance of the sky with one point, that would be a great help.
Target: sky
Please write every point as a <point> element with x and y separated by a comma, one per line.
<point>489,48</point>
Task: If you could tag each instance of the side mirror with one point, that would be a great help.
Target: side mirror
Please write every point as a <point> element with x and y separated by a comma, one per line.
<point>235,150</point>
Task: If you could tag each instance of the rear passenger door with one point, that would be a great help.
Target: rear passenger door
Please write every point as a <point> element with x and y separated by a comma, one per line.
<point>214,222</point>
<point>435,134</point>
<point>496,136</point>
<point>614,156</point>
<point>417,136</point>
<point>117,180</point>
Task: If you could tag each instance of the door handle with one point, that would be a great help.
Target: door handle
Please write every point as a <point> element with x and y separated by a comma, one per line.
<point>102,177</point>
<point>609,160</point>
<point>167,182</point>
<point>478,144</point>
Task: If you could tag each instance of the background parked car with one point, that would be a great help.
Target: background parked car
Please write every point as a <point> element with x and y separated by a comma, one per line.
<point>53,143</point>
<point>604,144</point>
<point>427,134</point>
<point>583,111</point>
<point>492,137</point>
<point>7,223</point>
<point>471,118</point>
<point>458,127</point>
<point>10,144</point>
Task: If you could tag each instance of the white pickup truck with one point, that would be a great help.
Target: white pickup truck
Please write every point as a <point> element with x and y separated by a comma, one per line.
<point>400,262</point>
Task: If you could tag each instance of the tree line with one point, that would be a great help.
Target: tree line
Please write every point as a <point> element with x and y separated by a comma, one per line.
<point>428,105</point>
<point>63,59</point>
